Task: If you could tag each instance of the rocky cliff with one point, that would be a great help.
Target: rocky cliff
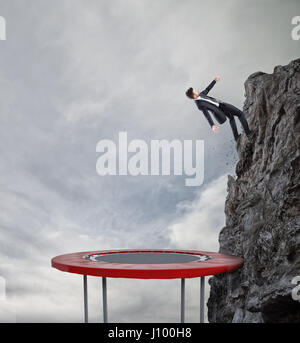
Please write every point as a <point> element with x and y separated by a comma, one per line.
<point>262,207</point>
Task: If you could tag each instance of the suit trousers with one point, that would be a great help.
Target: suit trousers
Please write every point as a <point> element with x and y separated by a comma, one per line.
<point>230,111</point>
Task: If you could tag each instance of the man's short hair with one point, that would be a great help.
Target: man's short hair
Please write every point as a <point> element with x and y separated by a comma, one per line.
<point>190,93</point>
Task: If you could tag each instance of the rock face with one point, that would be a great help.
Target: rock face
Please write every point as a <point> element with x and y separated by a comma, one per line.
<point>263,206</point>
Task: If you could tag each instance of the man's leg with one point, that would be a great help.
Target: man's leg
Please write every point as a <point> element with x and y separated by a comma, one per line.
<point>231,121</point>
<point>228,108</point>
<point>233,127</point>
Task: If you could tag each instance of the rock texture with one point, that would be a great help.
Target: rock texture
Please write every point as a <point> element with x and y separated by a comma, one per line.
<point>263,206</point>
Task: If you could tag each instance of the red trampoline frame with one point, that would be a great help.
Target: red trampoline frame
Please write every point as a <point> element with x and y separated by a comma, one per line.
<point>79,263</point>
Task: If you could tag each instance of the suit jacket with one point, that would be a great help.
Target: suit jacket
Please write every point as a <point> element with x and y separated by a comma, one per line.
<point>208,104</point>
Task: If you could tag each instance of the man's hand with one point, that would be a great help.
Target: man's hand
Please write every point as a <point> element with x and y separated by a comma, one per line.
<point>217,78</point>
<point>215,129</point>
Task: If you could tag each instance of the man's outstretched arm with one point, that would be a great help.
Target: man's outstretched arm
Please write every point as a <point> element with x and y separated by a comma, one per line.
<point>210,121</point>
<point>208,117</point>
<point>210,86</point>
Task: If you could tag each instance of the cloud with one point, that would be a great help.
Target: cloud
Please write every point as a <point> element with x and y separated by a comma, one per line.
<point>86,110</point>
<point>202,220</point>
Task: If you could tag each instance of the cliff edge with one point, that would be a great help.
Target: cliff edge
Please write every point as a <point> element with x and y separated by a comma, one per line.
<point>262,207</point>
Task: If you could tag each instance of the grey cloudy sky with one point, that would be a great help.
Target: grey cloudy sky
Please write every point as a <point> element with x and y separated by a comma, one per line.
<point>73,72</point>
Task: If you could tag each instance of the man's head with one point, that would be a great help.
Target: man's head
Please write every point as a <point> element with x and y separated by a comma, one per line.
<point>192,93</point>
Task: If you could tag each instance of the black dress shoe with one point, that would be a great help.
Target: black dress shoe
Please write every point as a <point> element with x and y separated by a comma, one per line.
<point>237,138</point>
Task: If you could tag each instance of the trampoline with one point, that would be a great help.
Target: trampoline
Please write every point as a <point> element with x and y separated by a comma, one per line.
<point>146,264</point>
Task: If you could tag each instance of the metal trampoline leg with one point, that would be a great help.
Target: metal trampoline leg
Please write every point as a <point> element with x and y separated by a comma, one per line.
<point>182,299</point>
<point>104,293</point>
<point>202,298</point>
<point>85,299</point>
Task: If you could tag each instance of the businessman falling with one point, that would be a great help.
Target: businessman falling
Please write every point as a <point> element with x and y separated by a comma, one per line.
<point>219,109</point>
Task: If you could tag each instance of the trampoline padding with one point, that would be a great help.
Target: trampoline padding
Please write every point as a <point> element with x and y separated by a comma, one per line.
<point>147,258</point>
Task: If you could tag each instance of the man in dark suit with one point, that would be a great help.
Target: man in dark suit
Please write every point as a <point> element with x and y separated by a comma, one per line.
<point>219,109</point>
